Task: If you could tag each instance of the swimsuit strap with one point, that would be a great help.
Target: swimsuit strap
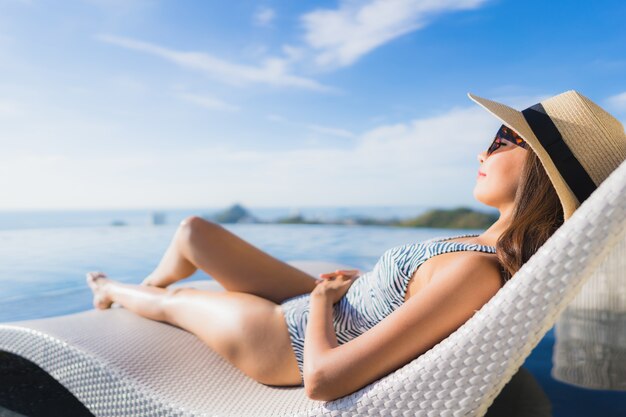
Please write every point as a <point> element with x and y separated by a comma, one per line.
<point>461,243</point>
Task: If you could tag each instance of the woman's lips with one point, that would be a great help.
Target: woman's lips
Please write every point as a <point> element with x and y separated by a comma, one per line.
<point>481,174</point>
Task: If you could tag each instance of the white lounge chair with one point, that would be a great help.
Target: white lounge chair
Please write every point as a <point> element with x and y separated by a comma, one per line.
<point>120,364</point>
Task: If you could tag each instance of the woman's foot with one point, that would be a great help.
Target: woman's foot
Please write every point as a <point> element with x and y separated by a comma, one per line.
<point>97,282</point>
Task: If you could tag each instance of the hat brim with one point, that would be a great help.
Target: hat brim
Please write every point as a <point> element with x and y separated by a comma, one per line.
<point>515,120</point>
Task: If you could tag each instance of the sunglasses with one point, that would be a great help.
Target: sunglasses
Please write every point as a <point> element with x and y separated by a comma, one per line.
<point>506,134</point>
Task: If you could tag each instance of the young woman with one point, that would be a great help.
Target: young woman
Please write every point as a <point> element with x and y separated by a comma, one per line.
<point>339,333</point>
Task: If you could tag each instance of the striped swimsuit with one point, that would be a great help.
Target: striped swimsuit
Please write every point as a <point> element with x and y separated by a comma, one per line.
<point>375,294</point>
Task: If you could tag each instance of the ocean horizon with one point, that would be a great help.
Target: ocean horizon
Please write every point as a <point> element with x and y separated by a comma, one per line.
<point>47,218</point>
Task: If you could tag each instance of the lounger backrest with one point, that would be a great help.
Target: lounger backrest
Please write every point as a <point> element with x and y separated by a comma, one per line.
<point>463,374</point>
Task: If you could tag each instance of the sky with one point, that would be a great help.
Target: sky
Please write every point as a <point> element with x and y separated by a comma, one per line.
<point>108,104</point>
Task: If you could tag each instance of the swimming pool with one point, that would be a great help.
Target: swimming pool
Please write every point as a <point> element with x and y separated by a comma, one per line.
<point>42,274</point>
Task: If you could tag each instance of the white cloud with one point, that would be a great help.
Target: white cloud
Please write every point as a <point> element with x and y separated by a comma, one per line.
<point>423,161</point>
<point>293,53</point>
<point>272,71</point>
<point>333,131</point>
<point>341,36</point>
<point>255,50</point>
<point>276,118</point>
<point>264,16</point>
<point>618,101</point>
<point>208,102</point>
<point>128,83</point>
<point>378,118</point>
<point>10,109</point>
<point>325,130</point>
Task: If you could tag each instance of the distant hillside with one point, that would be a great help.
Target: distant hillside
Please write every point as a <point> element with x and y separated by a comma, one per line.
<point>459,218</point>
<point>295,219</point>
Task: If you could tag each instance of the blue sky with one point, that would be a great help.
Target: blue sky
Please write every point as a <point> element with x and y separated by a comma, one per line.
<point>166,104</point>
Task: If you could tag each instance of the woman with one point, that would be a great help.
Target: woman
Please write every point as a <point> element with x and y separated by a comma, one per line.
<point>345,330</point>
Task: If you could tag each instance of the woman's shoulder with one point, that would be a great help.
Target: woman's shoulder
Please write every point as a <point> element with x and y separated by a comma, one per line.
<point>470,263</point>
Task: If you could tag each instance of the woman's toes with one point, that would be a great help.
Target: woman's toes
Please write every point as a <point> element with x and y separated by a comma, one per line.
<point>93,277</point>
<point>96,281</point>
<point>96,274</point>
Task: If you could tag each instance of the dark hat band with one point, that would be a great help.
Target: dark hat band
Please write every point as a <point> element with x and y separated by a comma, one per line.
<point>564,160</point>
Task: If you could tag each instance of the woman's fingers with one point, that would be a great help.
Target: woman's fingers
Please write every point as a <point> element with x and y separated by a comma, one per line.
<point>339,272</point>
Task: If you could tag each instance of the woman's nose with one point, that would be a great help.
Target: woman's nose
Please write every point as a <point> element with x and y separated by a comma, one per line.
<point>481,156</point>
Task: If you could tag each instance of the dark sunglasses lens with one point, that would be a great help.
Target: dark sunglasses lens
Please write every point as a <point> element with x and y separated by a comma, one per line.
<point>504,133</point>
<point>511,136</point>
<point>494,145</point>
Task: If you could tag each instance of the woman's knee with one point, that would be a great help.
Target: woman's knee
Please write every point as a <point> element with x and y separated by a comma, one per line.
<point>192,234</point>
<point>192,221</point>
<point>195,225</point>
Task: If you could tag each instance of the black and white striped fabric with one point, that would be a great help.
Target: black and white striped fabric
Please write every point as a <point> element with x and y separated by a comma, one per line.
<point>375,294</point>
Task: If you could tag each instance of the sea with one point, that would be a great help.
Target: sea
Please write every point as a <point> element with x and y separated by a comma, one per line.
<point>44,256</point>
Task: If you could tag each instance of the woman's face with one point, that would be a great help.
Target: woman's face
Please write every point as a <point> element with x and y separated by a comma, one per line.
<point>502,170</point>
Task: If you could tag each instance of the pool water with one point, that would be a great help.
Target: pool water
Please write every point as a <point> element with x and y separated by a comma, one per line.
<point>42,274</point>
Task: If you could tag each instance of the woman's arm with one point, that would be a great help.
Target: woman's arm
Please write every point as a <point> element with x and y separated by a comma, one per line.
<point>452,297</point>
<point>319,339</point>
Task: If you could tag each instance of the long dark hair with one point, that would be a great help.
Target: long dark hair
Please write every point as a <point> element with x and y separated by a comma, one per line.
<point>537,214</point>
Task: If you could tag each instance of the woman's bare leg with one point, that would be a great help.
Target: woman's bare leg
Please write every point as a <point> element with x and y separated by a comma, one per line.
<point>174,266</point>
<point>235,263</point>
<point>248,331</point>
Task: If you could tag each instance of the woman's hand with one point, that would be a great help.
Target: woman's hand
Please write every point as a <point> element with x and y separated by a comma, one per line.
<point>334,285</point>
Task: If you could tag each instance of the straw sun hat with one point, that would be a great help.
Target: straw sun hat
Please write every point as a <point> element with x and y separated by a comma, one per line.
<point>578,143</point>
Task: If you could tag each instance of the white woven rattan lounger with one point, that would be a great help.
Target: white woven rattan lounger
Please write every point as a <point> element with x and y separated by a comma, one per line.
<point>120,364</point>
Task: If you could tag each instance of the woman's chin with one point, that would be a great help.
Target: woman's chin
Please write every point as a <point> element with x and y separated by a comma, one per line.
<point>481,197</point>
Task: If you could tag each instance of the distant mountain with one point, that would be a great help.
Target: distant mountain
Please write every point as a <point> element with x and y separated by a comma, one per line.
<point>233,214</point>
